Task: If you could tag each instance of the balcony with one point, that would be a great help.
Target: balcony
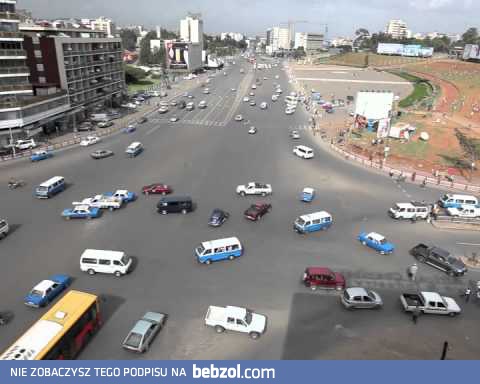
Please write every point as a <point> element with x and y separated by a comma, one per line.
<point>9,16</point>
<point>29,101</point>
<point>16,87</point>
<point>14,70</point>
<point>13,52</point>
<point>10,35</point>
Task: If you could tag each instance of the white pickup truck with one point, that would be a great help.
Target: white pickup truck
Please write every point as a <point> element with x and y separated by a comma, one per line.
<point>101,201</point>
<point>236,319</point>
<point>430,302</point>
<point>253,188</point>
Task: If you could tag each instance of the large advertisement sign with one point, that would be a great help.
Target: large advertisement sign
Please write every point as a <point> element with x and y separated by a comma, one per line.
<point>177,54</point>
<point>390,49</point>
<point>471,52</point>
<point>411,50</point>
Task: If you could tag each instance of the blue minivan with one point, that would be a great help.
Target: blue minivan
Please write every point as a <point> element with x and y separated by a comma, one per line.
<point>50,187</point>
<point>216,250</point>
<point>313,222</point>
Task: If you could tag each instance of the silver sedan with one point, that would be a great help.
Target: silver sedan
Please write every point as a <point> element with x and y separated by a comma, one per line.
<point>357,297</point>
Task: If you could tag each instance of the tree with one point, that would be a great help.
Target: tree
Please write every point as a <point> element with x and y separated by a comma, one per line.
<point>470,36</point>
<point>129,39</point>
<point>470,147</point>
<point>134,74</point>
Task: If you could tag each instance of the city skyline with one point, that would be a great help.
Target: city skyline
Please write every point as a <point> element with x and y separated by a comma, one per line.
<point>343,16</point>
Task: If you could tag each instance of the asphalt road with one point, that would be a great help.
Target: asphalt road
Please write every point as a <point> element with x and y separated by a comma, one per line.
<point>206,155</point>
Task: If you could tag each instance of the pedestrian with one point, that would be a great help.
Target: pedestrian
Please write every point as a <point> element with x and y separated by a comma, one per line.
<point>424,183</point>
<point>467,294</point>
<point>414,175</point>
<point>412,271</point>
<point>415,313</point>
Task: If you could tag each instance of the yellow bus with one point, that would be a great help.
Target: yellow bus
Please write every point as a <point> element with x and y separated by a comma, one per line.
<point>62,332</point>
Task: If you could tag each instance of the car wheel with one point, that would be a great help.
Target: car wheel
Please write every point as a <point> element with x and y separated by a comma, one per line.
<point>264,194</point>
<point>421,259</point>
<point>338,287</point>
<point>184,211</point>
<point>219,329</point>
<point>313,287</point>
<point>242,193</point>
<point>118,273</point>
<point>382,252</point>
<point>231,257</point>
<point>110,209</point>
<point>164,193</point>
<point>254,335</point>
<point>67,217</point>
<point>453,314</point>
<point>91,272</point>
<point>364,242</point>
<point>164,212</point>
<point>451,273</point>
<point>146,193</point>
<point>208,262</point>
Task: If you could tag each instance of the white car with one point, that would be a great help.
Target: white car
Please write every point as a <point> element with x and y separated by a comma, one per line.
<point>174,119</point>
<point>25,144</point>
<point>289,111</point>
<point>263,105</point>
<point>303,151</point>
<point>274,97</point>
<point>252,130</point>
<point>254,188</point>
<point>279,90</point>
<point>276,76</point>
<point>252,94</point>
<point>465,211</point>
<point>294,135</point>
<point>236,319</point>
<point>252,103</point>
<point>246,99</point>
<point>233,89</point>
<point>238,118</point>
<point>89,140</point>
<point>102,202</point>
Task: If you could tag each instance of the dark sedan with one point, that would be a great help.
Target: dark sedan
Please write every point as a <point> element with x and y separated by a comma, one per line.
<point>218,217</point>
<point>157,189</point>
<point>101,154</point>
<point>257,211</point>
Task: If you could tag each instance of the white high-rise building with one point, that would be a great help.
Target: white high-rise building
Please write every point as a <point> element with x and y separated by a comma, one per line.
<point>191,29</point>
<point>397,29</point>
<point>309,41</point>
<point>280,38</point>
<point>104,25</point>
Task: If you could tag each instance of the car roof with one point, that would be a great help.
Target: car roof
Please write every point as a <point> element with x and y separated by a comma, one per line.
<point>44,285</point>
<point>175,198</point>
<point>431,296</point>
<point>82,207</point>
<point>315,215</point>
<point>308,190</point>
<point>141,327</point>
<point>319,270</point>
<point>304,147</point>
<point>441,252</point>
<point>237,312</point>
<point>357,291</point>
<point>376,236</point>
<point>220,242</point>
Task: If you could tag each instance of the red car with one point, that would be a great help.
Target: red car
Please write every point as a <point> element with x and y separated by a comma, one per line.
<point>320,277</point>
<point>256,211</point>
<point>157,189</point>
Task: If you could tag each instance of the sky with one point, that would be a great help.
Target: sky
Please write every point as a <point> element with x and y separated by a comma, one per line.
<point>255,16</point>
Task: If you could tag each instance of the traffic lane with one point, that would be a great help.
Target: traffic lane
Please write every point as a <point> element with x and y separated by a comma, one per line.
<point>320,328</point>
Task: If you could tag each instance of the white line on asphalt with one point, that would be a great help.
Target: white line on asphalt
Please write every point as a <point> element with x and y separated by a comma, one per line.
<point>325,80</point>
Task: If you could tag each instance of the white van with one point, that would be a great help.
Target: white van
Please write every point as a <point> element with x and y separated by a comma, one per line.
<point>97,261</point>
<point>50,187</point>
<point>216,250</point>
<point>469,211</point>
<point>303,151</point>
<point>134,149</point>
<point>408,211</point>
<point>457,201</point>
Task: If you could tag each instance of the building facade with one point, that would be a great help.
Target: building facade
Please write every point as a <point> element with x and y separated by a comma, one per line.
<point>280,38</point>
<point>105,25</point>
<point>187,53</point>
<point>83,62</point>
<point>397,29</point>
<point>24,108</point>
<point>191,29</point>
<point>309,41</point>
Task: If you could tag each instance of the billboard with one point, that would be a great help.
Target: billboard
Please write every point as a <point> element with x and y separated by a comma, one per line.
<point>411,50</point>
<point>471,52</point>
<point>177,54</point>
<point>390,49</point>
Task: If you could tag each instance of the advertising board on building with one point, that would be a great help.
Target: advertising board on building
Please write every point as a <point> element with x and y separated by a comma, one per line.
<point>177,54</point>
<point>471,52</point>
<point>390,49</point>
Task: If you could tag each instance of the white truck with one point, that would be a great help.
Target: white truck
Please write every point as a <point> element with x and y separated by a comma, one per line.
<point>101,201</point>
<point>410,211</point>
<point>236,319</point>
<point>254,188</point>
<point>467,211</point>
<point>4,228</point>
<point>430,302</point>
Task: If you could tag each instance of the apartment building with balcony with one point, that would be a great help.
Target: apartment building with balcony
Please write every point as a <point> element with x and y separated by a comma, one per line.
<point>85,63</point>
<point>24,109</point>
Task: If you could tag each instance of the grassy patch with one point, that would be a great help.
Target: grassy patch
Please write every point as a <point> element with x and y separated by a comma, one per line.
<point>414,149</point>
<point>422,89</point>
<point>142,84</point>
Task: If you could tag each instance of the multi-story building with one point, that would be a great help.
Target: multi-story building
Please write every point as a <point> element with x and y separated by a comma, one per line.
<point>191,29</point>
<point>233,35</point>
<point>24,108</point>
<point>280,38</point>
<point>84,62</point>
<point>397,29</point>
<point>104,25</point>
<point>309,41</point>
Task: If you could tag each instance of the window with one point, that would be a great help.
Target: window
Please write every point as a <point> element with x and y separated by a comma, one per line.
<point>367,299</point>
<point>230,320</point>
<point>316,221</point>
<point>239,322</point>
<point>116,262</point>
<point>37,53</point>
<point>235,247</point>
<point>86,260</point>
<point>40,67</point>
<point>42,79</point>
<point>440,305</point>
<point>207,252</point>
<point>104,262</point>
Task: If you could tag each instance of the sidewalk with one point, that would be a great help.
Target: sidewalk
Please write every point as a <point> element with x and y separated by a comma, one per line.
<point>73,138</point>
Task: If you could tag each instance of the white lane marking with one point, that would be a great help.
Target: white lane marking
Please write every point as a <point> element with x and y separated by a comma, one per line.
<point>325,80</point>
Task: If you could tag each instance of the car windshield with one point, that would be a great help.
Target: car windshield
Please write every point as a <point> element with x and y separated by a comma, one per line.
<point>42,189</point>
<point>371,295</point>
<point>125,259</point>
<point>133,340</point>
<point>300,221</point>
<point>248,316</point>
<point>452,260</point>
<point>36,292</point>
<point>200,250</point>
<point>445,197</point>
<point>382,241</point>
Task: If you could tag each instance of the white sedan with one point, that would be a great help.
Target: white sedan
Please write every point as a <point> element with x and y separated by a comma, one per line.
<point>289,111</point>
<point>246,99</point>
<point>89,140</point>
<point>252,130</point>
<point>238,118</point>
<point>174,119</point>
